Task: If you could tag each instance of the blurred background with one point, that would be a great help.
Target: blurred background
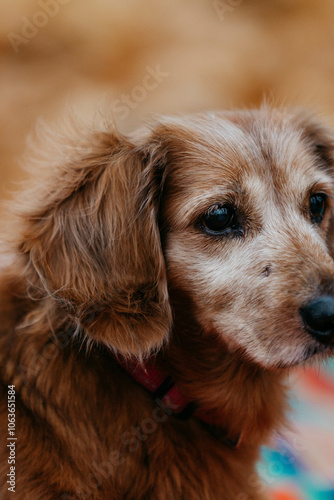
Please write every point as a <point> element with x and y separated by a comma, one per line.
<point>135,58</point>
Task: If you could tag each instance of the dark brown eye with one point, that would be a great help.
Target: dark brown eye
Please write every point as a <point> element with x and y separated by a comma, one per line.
<point>219,219</point>
<point>317,207</point>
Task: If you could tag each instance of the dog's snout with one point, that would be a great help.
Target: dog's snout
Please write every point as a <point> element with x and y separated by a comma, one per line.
<point>318,316</point>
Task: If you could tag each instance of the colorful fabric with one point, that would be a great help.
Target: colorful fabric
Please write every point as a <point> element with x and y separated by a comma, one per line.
<point>300,465</point>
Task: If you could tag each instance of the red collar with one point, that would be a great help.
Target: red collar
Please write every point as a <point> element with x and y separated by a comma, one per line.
<point>164,390</point>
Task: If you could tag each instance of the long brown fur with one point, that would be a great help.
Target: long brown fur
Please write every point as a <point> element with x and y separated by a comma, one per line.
<point>107,259</point>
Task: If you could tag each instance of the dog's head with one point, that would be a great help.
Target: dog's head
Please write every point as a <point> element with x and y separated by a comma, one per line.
<point>233,210</point>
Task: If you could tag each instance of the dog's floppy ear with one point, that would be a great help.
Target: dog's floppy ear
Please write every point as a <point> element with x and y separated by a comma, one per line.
<point>321,141</point>
<point>91,243</point>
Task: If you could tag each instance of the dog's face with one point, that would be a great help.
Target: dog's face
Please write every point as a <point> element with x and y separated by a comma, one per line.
<point>247,211</point>
<point>244,204</point>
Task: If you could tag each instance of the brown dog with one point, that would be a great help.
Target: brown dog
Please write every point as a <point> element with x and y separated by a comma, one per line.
<point>160,287</point>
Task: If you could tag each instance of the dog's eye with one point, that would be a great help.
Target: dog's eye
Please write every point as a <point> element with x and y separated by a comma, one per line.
<point>317,207</point>
<point>218,219</point>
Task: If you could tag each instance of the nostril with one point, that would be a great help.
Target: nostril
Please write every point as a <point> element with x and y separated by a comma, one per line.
<point>318,316</point>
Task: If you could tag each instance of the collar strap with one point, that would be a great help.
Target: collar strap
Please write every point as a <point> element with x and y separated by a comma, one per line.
<point>164,390</point>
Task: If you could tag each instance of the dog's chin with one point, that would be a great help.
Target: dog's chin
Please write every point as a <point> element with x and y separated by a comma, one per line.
<point>309,355</point>
<point>320,351</point>
<point>306,355</point>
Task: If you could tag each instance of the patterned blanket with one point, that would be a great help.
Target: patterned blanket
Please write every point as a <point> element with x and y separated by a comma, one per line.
<point>300,465</point>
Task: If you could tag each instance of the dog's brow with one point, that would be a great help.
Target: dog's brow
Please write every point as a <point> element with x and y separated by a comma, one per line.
<point>311,179</point>
<point>255,186</point>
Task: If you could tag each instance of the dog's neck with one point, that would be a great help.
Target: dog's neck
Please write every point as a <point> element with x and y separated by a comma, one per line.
<point>197,377</point>
<point>240,396</point>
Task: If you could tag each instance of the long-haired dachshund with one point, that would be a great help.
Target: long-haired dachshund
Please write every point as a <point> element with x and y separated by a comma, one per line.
<point>156,292</point>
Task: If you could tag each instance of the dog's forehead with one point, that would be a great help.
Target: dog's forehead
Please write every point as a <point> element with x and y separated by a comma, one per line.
<point>236,151</point>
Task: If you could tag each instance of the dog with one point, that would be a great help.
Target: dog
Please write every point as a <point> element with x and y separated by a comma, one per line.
<point>157,291</point>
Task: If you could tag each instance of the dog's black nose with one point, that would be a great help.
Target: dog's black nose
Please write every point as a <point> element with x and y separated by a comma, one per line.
<point>318,316</point>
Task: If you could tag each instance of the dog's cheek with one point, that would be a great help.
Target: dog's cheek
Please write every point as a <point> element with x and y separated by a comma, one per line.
<point>218,287</point>
<point>234,300</point>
